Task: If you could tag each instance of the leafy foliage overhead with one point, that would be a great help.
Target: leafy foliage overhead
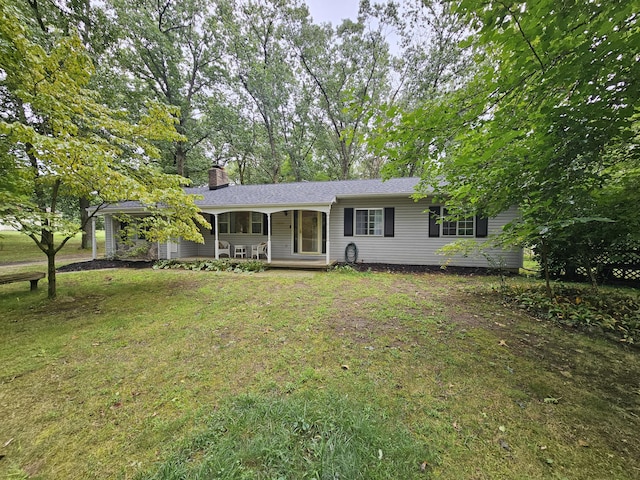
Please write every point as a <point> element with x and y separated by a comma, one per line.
<point>546,121</point>
<point>59,140</point>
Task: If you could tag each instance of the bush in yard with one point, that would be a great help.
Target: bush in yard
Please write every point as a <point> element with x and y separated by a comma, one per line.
<point>613,313</point>
<point>221,265</point>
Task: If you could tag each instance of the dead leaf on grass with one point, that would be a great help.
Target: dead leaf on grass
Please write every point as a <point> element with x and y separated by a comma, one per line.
<point>502,343</point>
<point>423,466</point>
<point>7,443</point>
<point>345,367</point>
<point>583,443</point>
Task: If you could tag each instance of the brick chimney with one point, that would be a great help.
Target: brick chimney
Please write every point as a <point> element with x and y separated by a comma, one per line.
<point>218,178</point>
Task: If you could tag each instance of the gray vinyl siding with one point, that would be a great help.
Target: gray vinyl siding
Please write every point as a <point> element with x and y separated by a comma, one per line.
<point>282,236</point>
<point>207,249</point>
<point>411,244</point>
<point>185,249</point>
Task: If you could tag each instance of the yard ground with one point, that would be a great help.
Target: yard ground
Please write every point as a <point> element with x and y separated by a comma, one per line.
<point>154,373</point>
<point>16,248</point>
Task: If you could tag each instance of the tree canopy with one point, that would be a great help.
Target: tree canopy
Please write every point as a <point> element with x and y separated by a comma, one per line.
<point>547,121</point>
<point>59,140</point>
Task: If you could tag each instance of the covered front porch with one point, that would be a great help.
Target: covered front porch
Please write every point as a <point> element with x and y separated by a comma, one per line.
<point>281,237</point>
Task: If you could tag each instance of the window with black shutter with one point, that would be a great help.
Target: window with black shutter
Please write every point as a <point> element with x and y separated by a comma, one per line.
<point>434,217</point>
<point>348,222</point>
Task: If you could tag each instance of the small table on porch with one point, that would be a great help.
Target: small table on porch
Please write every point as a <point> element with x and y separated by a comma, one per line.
<point>240,251</point>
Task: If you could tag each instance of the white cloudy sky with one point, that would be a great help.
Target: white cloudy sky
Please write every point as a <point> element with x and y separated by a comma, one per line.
<point>333,11</point>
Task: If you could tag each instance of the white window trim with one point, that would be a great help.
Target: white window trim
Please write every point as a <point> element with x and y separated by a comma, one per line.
<point>251,223</point>
<point>355,222</point>
<point>228,218</point>
<point>457,222</point>
<point>224,219</point>
<point>299,233</point>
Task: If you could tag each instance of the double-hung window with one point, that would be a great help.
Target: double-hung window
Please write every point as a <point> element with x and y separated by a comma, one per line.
<point>241,222</point>
<point>369,221</point>
<point>459,228</point>
<point>223,222</point>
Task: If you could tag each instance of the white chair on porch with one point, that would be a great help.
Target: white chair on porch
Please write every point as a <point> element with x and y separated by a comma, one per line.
<point>260,249</point>
<point>224,248</point>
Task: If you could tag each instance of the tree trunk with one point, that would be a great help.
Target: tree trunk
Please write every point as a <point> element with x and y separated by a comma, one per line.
<point>51,274</point>
<point>180,157</point>
<point>545,266</point>
<point>86,225</point>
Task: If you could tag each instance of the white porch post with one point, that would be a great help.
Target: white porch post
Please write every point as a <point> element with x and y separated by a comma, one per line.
<point>328,242</point>
<point>168,249</point>
<point>268,238</point>
<point>114,239</point>
<point>215,229</point>
<point>94,242</point>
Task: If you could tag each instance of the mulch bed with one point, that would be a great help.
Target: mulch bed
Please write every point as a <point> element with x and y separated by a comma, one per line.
<point>363,267</point>
<point>102,264</point>
<point>389,267</point>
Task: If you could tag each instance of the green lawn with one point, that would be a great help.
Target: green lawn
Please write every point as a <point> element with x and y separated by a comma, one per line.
<point>180,374</point>
<point>17,247</point>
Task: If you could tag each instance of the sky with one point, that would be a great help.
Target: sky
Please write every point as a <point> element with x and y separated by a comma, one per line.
<point>333,11</point>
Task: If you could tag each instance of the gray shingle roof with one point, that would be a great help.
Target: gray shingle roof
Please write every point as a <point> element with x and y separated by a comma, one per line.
<point>291,194</point>
<point>302,193</point>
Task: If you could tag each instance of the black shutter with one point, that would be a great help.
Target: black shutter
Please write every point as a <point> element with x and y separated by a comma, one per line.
<point>295,231</point>
<point>482,226</point>
<point>324,233</point>
<point>434,217</point>
<point>212,221</point>
<point>265,224</point>
<point>348,222</point>
<point>389,221</point>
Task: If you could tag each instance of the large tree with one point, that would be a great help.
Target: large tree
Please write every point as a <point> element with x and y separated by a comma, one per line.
<point>48,20</point>
<point>552,98</point>
<point>263,82</point>
<point>59,140</point>
<point>170,51</point>
<point>350,69</point>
